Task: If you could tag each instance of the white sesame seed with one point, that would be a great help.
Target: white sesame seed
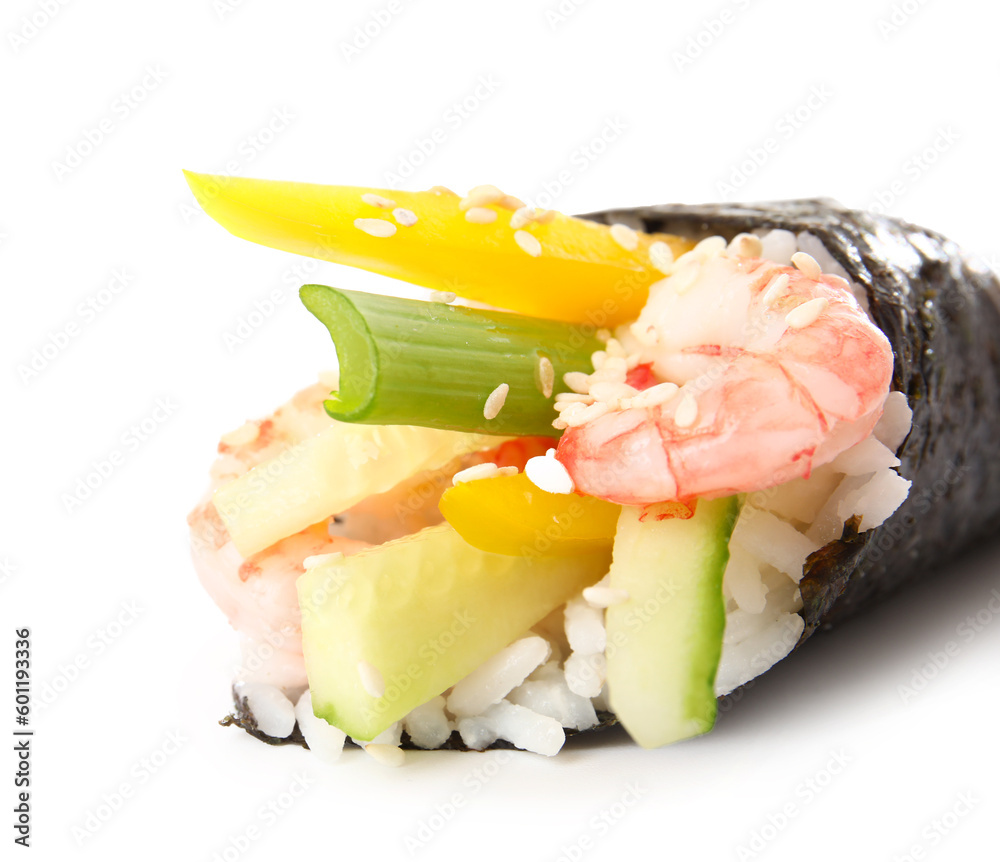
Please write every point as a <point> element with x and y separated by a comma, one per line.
<point>655,395</point>
<point>661,256</point>
<point>375,226</point>
<point>745,245</point>
<point>686,412</point>
<point>520,218</point>
<point>598,358</point>
<point>549,475</point>
<point>480,215</point>
<point>684,277</point>
<point>776,290</point>
<point>803,315</point>
<point>546,375</point>
<point>577,381</point>
<point>444,296</point>
<point>567,408</point>
<point>806,264</point>
<point>442,190</point>
<point>407,218</point>
<point>509,202</point>
<point>476,471</point>
<point>559,423</point>
<point>387,755</point>
<point>573,397</point>
<point>528,243</point>
<point>574,418</point>
<point>481,196</point>
<point>378,201</point>
<point>371,679</point>
<point>246,433</point>
<point>611,392</point>
<point>709,247</point>
<point>604,597</point>
<point>495,401</point>
<point>319,559</point>
<point>627,238</point>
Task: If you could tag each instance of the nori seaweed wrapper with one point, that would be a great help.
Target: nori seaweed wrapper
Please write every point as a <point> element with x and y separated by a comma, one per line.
<point>940,309</point>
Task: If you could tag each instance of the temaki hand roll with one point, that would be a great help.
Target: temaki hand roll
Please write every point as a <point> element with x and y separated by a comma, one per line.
<point>763,419</point>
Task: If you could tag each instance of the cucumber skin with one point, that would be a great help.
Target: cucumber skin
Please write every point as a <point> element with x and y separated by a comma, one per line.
<point>672,571</point>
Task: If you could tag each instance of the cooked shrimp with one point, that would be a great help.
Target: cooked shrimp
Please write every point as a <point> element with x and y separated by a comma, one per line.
<point>764,372</point>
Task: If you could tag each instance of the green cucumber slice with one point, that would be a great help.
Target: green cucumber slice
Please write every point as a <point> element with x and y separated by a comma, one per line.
<point>664,642</point>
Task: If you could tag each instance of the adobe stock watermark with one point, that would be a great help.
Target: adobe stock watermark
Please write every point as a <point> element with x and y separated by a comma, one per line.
<point>559,13</point>
<point>265,817</point>
<point>805,793</point>
<point>941,827</point>
<point>96,644</point>
<point>786,127</point>
<point>711,30</point>
<point>601,824</point>
<point>456,115</point>
<point>375,23</point>
<point>246,151</point>
<point>140,774</point>
<point>578,161</point>
<point>31,25</point>
<point>445,812</point>
<point>122,107</point>
<point>266,306</point>
<point>912,170</point>
<point>898,17</point>
<point>131,441</point>
<point>224,8</point>
<point>937,660</point>
<point>8,568</point>
<point>86,311</point>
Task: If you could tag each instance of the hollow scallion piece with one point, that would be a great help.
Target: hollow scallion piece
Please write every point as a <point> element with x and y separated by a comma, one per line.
<point>408,362</point>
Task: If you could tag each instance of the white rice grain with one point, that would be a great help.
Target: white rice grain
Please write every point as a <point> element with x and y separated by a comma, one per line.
<point>584,627</point>
<point>554,699</point>
<point>427,724</point>
<point>585,674</point>
<point>865,457</point>
<point>273,712</point>
<point>496,676</point>
<point>476,733</point>
<point>495,401</point>
<point>771,540</point>
<point>549,474</point>
<point>324,740</point>
<point>895,422</point>
<point>742,662</point>
<point>526,729</point>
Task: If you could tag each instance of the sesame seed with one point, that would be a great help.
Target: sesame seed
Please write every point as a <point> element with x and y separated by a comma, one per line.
<point>442,190</point>
<point>378,201</point>
<point>387,755</point>
<point>573,398</point>
<point>375,226</point>
<point>604,597</point>
<point>655,395</point>
<point>611,392</point>
<point>777,289</point>
<point>495,401</point>
<point>246,433</point>
<point>476,471</point>
<point>480,215</point>
<point>709,247</point>
<point>806,264</point>
<point>661,256</point>
<point>481,196</point>
<point>407,218</point>
<point>627,238</point>
<point>444,296</point>
<point>371,679</point>
<point>686,412</point>
<point>803,315</point>
<point>745,245</point>
<point>546,375</point>
<point>319,559</point>
<point>528,243</point>
<point>684,278</point>
<point>559,423</point>
<point>520,218</point>
<point>577,381</point>
<point>509,202</point>
<point>549,475</point>
<point>569,407</point>
<point>574,418</point>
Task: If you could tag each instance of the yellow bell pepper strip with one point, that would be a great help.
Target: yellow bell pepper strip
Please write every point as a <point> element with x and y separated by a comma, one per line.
<point>509,515</point>
<point>553,266</point>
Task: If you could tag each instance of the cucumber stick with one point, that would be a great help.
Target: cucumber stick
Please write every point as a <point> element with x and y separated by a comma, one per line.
<point>664,642</point>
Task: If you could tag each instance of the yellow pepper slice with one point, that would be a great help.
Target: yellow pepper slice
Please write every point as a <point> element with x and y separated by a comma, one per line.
<point>509,515</point>
<point>581,272</point>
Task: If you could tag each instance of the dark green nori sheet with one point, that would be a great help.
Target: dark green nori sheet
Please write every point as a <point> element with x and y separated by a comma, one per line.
<point>940,309</point>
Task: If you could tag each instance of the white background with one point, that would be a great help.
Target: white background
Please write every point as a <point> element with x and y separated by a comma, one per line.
<point>903,115</point>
